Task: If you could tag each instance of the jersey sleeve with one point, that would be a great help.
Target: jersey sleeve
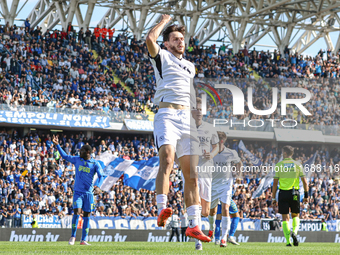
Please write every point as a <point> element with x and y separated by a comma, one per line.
<point>157,61</point>
<point>100,173</point>
<point>236,158</point>
<point>214,138</point>
<point>301,170</point>
<point>71,159</point>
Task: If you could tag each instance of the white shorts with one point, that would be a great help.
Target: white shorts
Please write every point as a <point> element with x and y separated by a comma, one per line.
<point>176,127</point>
<point>221,192</point>
<point>204,187</point>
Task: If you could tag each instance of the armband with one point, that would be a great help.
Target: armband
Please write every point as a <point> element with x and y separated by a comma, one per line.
<point>306,194</point>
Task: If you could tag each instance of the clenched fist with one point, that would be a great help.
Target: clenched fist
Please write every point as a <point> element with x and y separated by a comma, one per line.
<point>166,18</point>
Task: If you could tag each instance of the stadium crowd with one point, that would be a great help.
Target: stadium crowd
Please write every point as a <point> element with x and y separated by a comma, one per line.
<point>77,70</point>
<point>34,179</point>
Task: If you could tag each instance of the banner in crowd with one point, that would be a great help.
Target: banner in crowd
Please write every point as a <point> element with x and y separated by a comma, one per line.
<point>139,125</point>
<point>121,235</point>
<point>54,119</point>
<point>137,174</point>
<point>150,223</point>
<point>253,159</point>
<point>43,221</point>
<point>305,225</point>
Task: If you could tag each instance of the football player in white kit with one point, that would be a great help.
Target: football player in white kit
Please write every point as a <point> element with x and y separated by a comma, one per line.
<point>172,130</point>
<point>222,185</point>
<point>209,145</point>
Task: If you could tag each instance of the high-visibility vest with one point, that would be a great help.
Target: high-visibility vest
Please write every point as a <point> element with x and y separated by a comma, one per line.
<point>96,32</point>
<point>35,223</point>
<point>104,32</point>
<point>111,32</point>
<point>324,226</point>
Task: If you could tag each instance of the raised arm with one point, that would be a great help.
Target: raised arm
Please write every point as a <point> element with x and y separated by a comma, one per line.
<point>63,154</point>
<point>154,33</point>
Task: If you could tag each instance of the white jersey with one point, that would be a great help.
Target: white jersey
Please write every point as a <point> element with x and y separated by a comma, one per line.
<point>207,135</point>
<point>174,221</point>
<point>223,162</point>
<point>184,220</point>
<point>174,79</point>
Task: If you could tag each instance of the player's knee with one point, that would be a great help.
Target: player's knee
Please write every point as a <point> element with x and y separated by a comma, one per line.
<point>205,213</point>
<point>87,214</point>
<point>295,215</point>
<point>192,182</point>
<point>77,211</point>
<point>167,163</point>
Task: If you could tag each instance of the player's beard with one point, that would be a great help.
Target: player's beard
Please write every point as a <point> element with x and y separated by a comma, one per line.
<point>173,48</point>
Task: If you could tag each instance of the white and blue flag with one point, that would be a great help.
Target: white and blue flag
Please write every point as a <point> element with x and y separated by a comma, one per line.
<point>308,173</point>
<point>253,159</point>
<point>265,182</point>
<point>145,176</point>
<point>137,174</point>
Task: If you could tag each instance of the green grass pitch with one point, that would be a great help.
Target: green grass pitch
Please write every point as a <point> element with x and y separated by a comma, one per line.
<point>164,248</point>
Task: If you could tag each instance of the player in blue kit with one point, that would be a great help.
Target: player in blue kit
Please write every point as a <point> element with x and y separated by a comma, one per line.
<point>235,218</point>
<point>86,168</point>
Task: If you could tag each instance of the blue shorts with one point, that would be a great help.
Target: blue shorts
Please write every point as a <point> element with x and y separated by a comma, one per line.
<point>84,201</point>
<point>232,208</point>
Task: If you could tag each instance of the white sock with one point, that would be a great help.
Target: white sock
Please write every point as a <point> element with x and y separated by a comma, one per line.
<point>212,220</point>
<point>161,200</point>
<point>225,227</point>
<point>199,223</point>
<point>200,218</point>
<point>193,215</point>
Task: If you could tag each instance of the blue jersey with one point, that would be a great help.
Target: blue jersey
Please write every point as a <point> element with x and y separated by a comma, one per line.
<point>85,171</point>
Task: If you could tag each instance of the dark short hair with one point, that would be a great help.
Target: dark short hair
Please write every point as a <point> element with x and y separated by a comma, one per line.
<point>170,29</point>
<point>87,148</point>
<point>288,149</point>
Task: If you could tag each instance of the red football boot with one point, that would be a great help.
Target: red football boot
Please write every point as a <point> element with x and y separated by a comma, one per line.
<point>163,216</point>
<point>198,234</point>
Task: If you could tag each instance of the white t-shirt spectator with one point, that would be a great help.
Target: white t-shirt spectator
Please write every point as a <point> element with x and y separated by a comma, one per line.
<point>51,199</point>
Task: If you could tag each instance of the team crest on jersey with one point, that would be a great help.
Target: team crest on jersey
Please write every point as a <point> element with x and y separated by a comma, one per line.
<point>161,138</point>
